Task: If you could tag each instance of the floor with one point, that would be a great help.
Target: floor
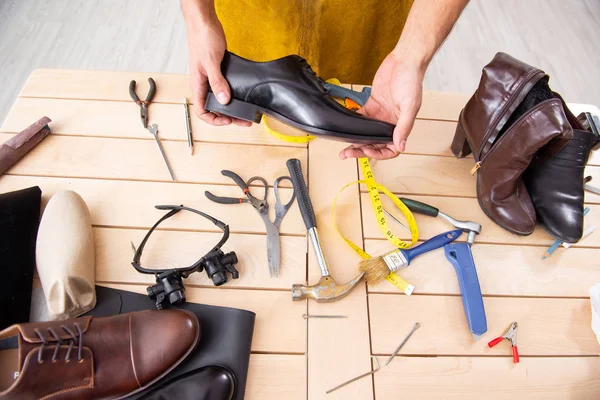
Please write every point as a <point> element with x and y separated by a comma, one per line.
<point>149,35</point>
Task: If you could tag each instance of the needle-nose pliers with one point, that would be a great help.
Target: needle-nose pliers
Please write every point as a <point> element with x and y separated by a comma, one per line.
<point>143,104</point>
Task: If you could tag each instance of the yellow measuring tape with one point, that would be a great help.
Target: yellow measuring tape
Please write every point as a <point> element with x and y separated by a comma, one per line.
<point>374,190</point>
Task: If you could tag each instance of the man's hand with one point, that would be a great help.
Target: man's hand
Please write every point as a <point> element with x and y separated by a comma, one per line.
<point>398,84</point>
<point>206,46</point>
<point>395,98</point>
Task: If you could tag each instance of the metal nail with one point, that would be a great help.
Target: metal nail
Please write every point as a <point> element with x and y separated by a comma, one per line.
<point>305,316</point>
<point>375,369</point>
<point>415,327</point>
<point>396,220</point>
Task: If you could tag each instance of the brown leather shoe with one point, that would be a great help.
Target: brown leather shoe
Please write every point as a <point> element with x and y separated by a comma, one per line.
<point>94,358</point>
<point>511,116</point>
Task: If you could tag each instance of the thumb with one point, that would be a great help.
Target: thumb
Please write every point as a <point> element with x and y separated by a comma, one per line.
<point>402,130</point>
<point>219,85</point>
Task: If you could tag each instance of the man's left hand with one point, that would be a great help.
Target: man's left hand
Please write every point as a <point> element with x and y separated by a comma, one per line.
<point>395,98</point>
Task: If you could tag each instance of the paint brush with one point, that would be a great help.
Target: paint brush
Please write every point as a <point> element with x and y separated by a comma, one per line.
<point>377,269</point>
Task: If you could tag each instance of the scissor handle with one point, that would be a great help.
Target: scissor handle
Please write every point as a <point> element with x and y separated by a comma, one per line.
<point>261,180</point>
<point>276,190</point>
<point>224,200</point>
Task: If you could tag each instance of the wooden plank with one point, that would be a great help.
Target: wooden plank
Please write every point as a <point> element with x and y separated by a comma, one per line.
<point>459,378</point>
<point>502,270</point>
<point>444,106</point>
<point>274,377</point>
<point>89,118</point>
<point>279,326</point>
<point>169,249</point>
<point>103,85</point>
<point>547,327</point>
<point>441,176</point>
<point>131,204</point>
<point>338,349</point>
<point>465,209</point>
<point>105,158</point>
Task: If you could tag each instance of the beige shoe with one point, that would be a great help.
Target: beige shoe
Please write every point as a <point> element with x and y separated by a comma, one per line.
<point>65,256</point>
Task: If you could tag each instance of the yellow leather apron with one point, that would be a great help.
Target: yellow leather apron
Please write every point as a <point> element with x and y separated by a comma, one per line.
<point>346,39</point>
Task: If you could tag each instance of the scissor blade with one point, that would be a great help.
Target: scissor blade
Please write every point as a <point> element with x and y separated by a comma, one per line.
<point>273,246</point>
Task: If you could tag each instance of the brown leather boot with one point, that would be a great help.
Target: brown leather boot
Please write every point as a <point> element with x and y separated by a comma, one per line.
<point>94,358</point>
<point>503,146</point>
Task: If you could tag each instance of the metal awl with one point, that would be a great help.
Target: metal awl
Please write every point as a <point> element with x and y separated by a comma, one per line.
<point>415,327</point>
<point>306,316</point>
<point>375,369</point>
<point>154,131</point>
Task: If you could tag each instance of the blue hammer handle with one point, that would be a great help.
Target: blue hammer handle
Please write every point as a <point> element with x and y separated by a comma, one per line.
<point>461,258</point>
<point>434,243</point>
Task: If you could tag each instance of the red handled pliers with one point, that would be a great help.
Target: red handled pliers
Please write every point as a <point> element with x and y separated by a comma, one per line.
<point>511,334</point>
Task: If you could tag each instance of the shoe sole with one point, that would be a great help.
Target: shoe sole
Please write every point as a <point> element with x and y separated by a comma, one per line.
<point>175,365</point>
<point>253,113</point>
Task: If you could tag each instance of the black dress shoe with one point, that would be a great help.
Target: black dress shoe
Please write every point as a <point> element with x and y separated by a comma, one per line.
<point>556,187</point>
<point>288,90</point>
<point>208,383</point>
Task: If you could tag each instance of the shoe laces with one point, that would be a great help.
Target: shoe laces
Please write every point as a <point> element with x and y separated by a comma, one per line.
<point>76,338</point>
<point>311,72</point>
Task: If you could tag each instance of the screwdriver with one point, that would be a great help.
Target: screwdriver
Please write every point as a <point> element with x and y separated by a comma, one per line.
<point>188,126</point>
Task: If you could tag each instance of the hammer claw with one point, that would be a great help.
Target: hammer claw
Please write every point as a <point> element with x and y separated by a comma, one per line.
<point>326,290</point>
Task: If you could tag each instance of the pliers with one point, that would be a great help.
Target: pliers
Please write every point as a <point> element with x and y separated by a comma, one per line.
<point>143,104</point>
<point>511,334</point>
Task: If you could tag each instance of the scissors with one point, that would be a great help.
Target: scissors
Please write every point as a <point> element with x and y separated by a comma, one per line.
<point>262,207</point>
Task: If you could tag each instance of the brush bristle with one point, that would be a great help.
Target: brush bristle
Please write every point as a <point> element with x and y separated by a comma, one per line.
<point>375,269</point>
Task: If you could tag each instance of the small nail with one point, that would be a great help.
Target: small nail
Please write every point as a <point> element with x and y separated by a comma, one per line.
<point>222,97</point>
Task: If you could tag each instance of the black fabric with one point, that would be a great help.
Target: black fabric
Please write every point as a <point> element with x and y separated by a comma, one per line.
<point>538,93</point>
<point>225,341</point>
<point>19,222</point>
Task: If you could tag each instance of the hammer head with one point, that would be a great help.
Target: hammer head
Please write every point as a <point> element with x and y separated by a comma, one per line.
<point>326,290</point>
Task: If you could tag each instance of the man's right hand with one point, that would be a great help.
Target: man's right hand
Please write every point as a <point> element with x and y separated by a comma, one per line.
<point>206,46</point>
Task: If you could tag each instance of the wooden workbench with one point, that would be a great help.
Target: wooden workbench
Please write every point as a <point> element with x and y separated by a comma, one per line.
<point>99,149</point>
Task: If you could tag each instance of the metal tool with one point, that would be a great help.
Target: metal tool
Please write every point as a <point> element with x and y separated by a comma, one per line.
<point>558,242</point>
<point>153,129</point>
<point>461,258</point>
<point>414,328</point>
<point>470,228</point>
<point>262,207</point>
<point>375,369</point>
<point>344,93</point>
<point>188,125</point>
<point>326,290</point>
<point>306,316</point>
<point>590,188</point>
<point>510,335</point>
<point>143,104</point>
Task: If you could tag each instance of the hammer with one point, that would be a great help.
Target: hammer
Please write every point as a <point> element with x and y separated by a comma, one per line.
<point>470,228</point>
<point>326,290</point>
